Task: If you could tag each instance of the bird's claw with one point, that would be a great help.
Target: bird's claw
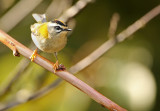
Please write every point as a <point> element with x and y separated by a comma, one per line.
<point>58,67</point>
<point>61,67</point>
<point>55,66</point>
<point>33,56</point>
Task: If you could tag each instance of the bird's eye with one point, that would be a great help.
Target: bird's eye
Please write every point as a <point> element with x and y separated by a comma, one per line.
<point>57,27</point>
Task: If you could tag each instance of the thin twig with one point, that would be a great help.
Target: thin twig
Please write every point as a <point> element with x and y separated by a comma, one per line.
<point>113,25</point>
<point>120,37</point>
<point>26,52</point>
<point>17,73</point>
<point>19,69</point>
<point>21,9</point>
<point>53,6</point>
<point>76,68</point>
<point>45,90</point>
<point>34,96</point>
<point>74,10</point>
<point>57,7</point>
<point>7,18</point>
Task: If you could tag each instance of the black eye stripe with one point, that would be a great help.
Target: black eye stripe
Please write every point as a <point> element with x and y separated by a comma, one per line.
<point>58,28</point>
<point>59,22</point>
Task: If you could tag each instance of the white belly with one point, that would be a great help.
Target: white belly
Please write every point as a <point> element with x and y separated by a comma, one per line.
<point>49,45</point>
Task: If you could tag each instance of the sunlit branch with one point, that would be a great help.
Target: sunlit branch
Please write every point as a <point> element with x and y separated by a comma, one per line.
<point>111,42</point>
<point>123,35</point>
<point>53,6</point>
<point>19,48</point>
<point>74,10</point>
<point>19,69</point>
<point>113,25</point>
<point>21,10</point>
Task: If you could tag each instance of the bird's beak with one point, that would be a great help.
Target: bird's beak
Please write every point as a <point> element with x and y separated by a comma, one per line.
<point>67,29</point>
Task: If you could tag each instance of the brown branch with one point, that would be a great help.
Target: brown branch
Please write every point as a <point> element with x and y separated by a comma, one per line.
<point>20,68</point>
<point>21,9</point>
<point>57,7</point>
<point>45,90</point>
<point>26,52</point>
<point>76,68</point>
<point>36,95</point>
<point>113,25</point>
<point>17,73</point>
<point>120,37</point>
<point>74,10</point>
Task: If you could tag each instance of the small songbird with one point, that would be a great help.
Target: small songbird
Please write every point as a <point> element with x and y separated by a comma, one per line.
<point>50,37</point>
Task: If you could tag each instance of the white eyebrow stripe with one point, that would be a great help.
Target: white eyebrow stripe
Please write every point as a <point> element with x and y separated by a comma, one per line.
<point>54,24</point>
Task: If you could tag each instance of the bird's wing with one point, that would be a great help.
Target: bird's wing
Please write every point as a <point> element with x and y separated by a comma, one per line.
<point>40,17</point>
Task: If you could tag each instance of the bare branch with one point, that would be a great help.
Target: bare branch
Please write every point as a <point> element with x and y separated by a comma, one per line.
<point>57,7</point>
<point>74,10</point>
<point>139,24</point>
<point>110,43</point>
<point>123,35</point>
<point>26,52</point>
<point>113,25</point>
<point>61,5</point>
<point>21,10</point>
<point>23,64</point>
<point>36,95</point>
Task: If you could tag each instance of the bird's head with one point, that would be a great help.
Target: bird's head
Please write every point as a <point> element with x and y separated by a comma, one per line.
<point>57,28</point>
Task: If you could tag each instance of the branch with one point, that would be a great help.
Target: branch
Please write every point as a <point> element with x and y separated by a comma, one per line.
<point>61,5</point>
<point>74,10</point>
<point>113,25</point>
<point>21,9</point>
<point>79,66</point>
<point>57,7</point>
<point>18,48</point>
<point>119,38</point>
<point>20,68</point>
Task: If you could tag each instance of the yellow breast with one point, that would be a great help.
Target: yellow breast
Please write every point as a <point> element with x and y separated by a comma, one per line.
<point>43,30</point>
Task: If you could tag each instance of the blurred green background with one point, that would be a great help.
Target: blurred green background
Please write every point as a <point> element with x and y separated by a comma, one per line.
<point>128,74</point>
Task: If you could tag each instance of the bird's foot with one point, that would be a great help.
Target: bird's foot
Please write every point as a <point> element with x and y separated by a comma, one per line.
<point>58,67</point>
<point>34,54</point>
<point>61,67</point>
<point>55,66</point>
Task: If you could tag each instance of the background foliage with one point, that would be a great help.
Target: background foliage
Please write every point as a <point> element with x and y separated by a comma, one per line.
<point>128,74</point>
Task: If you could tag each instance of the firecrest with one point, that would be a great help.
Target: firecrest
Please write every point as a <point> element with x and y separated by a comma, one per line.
<point>50,37</point>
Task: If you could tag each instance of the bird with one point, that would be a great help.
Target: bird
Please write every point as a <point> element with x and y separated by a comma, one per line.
<point>48,36</point>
